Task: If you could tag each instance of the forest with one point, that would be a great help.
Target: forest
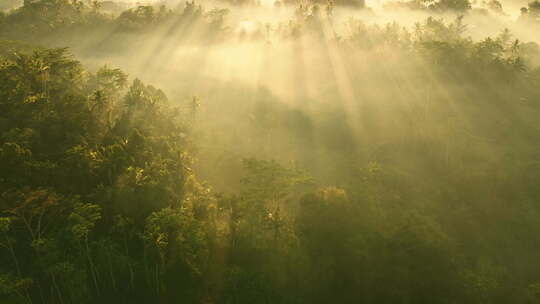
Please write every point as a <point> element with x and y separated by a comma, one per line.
<point>287,152</point>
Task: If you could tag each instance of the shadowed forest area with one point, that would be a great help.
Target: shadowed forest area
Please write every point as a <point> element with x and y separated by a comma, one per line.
<point>270,152</point>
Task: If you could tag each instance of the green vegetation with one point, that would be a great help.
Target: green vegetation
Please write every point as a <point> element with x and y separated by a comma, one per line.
<point>402,167</point>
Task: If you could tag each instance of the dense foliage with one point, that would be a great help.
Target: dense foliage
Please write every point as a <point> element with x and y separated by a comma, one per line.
<point>424,191</point>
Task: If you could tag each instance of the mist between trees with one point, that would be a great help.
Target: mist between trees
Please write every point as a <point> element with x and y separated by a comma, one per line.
<point>322,152</point>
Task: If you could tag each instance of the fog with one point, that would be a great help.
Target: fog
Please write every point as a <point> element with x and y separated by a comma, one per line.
<point>253,58</point>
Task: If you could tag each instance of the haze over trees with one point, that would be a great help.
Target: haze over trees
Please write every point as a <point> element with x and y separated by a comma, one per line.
<point>269,153</point>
